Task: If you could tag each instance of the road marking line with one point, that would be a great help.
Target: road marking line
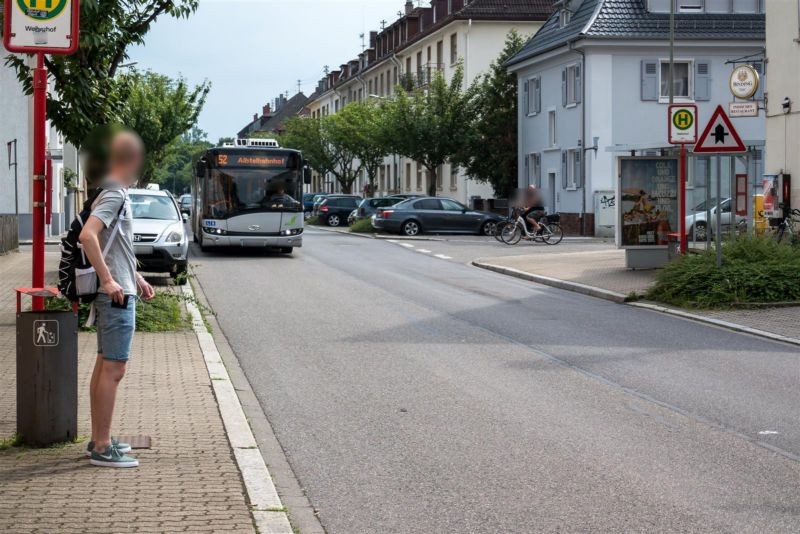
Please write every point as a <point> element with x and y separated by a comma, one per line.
<point>424,250</point>
<point>392,240</point>
<point>443,257</point>
<point>767,432</point>
<point>407,245</point>
<point>266,506</point>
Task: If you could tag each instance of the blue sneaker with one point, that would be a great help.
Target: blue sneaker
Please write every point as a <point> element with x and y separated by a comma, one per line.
<point>112,457</point>
<point>124,448</point>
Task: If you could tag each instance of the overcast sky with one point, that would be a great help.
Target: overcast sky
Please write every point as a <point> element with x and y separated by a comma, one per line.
<point>252,50</point>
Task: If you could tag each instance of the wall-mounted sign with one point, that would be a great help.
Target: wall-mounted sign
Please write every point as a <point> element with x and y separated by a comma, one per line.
<point>743,109</point>
<point>648,206</point>
<point>682,124</point>
<point>41,26</point>
<point>744,82</point>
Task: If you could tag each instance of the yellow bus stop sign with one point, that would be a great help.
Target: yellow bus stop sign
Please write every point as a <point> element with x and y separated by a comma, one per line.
<point>682,124</point>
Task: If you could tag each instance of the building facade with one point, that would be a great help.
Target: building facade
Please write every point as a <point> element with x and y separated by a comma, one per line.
<point>783,104</point>
<point>410,52</point>
<point>593,87</point>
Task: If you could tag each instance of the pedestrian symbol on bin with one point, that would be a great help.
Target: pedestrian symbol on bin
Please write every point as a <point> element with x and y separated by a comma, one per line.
<point>45,333</point>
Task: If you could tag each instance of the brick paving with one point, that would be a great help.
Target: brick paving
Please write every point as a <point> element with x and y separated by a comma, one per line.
<point>187,482</point>
<point>605,269</point>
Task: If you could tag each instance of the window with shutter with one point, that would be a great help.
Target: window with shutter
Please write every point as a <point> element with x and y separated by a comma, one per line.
<point>702,80</point>
<point>564,170</point>
<point>528,98</point>
<point>649,79</point>
<point>537,95</point>
<point>577,175</point>
<point>564,87</point>
<point>537,170</point>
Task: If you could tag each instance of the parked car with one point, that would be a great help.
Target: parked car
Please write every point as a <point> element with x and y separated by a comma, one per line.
<point>696,224</point>
<point>185,203</point>
<point>334,210</point>
<point>317,201</point>
<point>435,215</point>
<point>369,206</point>
<point>159,236</point>
<point>308,202</point>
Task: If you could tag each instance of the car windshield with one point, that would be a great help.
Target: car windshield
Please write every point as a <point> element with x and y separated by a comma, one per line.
<point>236,191</point>
<point>702,206</point>
<point>155,207</point>
<point>186,201</point>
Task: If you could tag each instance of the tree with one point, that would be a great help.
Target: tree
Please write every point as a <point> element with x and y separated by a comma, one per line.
<point>160,110</point>
<point>323,144</point>
<point>88,92</point>
<point>429,124</point>
<point>362,129</point>
<point>490,151</point>
<point>177,166</point>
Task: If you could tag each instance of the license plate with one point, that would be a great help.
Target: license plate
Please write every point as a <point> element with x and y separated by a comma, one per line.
<point>144,250</point>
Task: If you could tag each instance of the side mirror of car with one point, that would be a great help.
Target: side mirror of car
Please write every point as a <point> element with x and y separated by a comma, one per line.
<point>306,175</point>
<point>185,217</point>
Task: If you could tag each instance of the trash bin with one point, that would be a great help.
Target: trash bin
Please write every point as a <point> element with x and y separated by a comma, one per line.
<point>673,245</point>
<point>47,373</point>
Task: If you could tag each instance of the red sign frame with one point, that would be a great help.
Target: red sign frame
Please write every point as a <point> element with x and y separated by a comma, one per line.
<point>74,33</point>
<point>700,149</point>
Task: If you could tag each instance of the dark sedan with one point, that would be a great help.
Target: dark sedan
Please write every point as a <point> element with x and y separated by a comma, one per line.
<point>434,215</point>
<point>334,210</point>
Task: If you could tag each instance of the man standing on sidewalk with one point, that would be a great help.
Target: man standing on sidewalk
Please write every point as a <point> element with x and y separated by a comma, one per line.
<point>115,305</point>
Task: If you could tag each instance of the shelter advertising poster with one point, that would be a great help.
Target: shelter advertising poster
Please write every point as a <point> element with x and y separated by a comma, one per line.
<point>648,205</point>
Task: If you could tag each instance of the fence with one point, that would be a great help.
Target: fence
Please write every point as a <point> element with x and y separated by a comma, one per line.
<point>9,233</point>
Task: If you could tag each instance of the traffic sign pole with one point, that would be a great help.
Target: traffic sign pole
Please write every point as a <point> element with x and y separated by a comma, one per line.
<point>39,127</point>
<point>682,131</point>
<point>682,202</point>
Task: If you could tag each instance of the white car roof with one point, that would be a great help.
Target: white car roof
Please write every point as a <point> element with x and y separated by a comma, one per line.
<point>151,192</point>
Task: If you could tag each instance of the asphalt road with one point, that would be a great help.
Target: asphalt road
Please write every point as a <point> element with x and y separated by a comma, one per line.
<point>417,394</point>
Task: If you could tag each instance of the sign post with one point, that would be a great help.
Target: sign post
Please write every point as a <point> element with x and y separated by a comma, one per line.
<point>682,131</point>
<point>36,27</point>
<point>719,137</point>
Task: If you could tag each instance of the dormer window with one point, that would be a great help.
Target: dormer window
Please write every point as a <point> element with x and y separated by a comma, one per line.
<point>564,16</point>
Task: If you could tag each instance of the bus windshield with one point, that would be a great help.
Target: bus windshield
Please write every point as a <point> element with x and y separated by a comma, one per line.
<point>238,191</point>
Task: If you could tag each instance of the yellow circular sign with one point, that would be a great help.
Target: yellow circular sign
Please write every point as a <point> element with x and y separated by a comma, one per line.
<point>42,9</point>
<point>683,119</point>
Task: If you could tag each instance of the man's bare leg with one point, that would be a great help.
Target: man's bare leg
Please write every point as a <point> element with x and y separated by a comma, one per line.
<point>98,367</point>
<point>105,396</point>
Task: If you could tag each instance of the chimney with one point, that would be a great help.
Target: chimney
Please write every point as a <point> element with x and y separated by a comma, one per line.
<point>409,7</point>
<point>373,38</point>
<point>266,110</point>
<point>255,117</point>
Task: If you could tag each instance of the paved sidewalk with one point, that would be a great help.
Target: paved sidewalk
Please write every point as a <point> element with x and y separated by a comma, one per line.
<point>605,270</point>
<point>187,482</point>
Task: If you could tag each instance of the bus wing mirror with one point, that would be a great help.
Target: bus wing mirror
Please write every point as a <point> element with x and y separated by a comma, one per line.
<point>306,175</point>
<point>201,169</point>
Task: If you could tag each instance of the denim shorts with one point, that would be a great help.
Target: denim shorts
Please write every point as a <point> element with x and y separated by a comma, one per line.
<point>115,328</point>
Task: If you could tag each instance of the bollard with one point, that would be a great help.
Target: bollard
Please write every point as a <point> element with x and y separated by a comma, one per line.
<point>47,372</point>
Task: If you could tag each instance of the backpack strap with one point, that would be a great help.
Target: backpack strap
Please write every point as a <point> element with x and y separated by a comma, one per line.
<point>115,231</point>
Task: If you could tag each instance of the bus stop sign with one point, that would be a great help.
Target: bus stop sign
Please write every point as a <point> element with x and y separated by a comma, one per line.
<point>682,124</point>
<point>41,26</point>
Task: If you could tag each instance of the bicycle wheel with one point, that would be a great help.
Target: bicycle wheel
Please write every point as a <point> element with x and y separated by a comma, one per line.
<point>555,236</point>
<point>511,234</point>
<point>498,231</point>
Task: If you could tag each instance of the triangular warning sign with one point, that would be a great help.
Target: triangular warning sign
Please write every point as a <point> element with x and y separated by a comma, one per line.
<point>720,135</point>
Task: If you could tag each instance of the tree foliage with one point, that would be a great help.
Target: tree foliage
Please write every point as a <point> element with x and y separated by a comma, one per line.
<point>429,124</point>
<point>489,153</point>
<point>174,172</point>
<point>88,91</point>
<point>361,129</point>
<point>160,110</point>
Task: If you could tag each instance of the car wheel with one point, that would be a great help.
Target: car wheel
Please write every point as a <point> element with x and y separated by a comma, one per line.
<point>333,220</point>
<point>287,250</point>
<point>699,231</point>
<point>489,228</point>
<point>411,228</point>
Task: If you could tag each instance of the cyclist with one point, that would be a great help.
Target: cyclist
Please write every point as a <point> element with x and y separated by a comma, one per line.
<point>534,209</point>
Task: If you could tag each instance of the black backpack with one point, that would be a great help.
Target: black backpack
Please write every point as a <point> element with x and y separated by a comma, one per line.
<point>72,256</point>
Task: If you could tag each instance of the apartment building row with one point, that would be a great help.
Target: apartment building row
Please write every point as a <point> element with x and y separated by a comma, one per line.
<point>410,51</point>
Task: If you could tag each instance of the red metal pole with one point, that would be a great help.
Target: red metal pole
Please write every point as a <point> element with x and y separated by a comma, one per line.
<point>48,195</point>
<point>682,200</point>
<point>39,120</point>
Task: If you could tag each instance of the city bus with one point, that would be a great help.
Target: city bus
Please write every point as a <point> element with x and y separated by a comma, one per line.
<point>248,194</point>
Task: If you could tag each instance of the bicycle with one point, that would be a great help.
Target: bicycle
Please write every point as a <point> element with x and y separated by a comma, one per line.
<point>550,231</point>
<point>498,229</point>
<point>787,225</point>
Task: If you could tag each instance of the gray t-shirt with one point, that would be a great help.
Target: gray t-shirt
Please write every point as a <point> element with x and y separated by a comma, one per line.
<point>120,259</point>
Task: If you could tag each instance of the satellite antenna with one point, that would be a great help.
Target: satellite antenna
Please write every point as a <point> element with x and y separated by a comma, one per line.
<point>363,45</point>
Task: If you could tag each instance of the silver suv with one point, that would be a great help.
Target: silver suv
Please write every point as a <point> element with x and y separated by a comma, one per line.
<point>159,236</point>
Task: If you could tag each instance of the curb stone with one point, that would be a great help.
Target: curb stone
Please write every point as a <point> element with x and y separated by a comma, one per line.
<point>261,492</point>
<point>619,298</point>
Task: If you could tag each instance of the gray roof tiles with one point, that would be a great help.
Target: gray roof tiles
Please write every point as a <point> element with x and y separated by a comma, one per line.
<point>628,19</point>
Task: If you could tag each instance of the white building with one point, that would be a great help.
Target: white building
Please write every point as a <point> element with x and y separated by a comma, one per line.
<point>783,103</point>
<point>16,122</point>
<point>409,51</point>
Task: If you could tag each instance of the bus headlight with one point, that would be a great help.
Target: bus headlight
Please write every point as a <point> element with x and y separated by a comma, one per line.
<point>292,231</point>
<point>214,231</point>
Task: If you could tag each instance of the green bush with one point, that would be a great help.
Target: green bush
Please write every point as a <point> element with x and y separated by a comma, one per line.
<point>754,270</point>
<point>363,226</point>
<point>162,314</point>
<point>313,221</point>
